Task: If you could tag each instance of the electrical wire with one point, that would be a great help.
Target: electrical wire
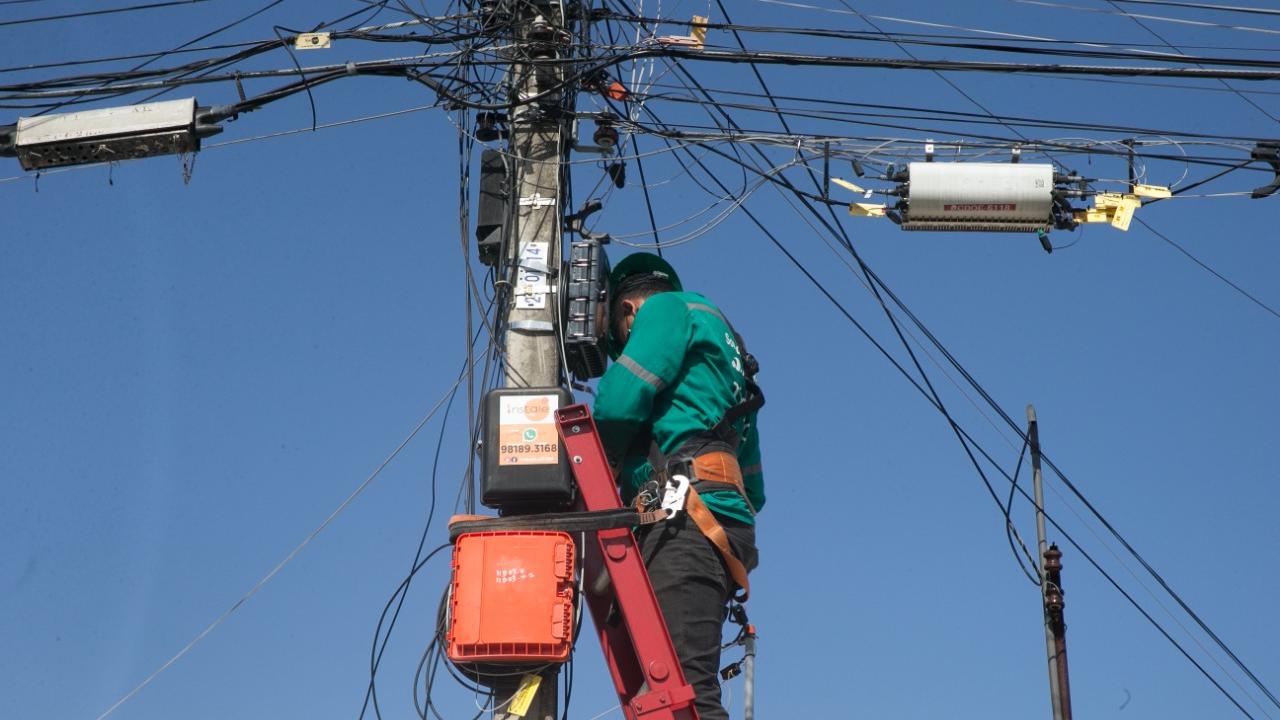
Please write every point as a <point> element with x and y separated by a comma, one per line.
<point>1175,48</point>
<point>292,554</point>
<point>1095,51</point>
<point>468,63</point>
<point>806,60</point>
<point>847,111</point>
<point>1159,18</point>
<point>89,13</point>
<point>1205,6</point>
<point>406,64</point>
<point>262,47</point>
<point>134,56</point>
<point>967,440</point>
<point>1252,298</point>
<point>999,36</point>
<point>962,436</point>
<point>932,392</point>
<point>402,592</point>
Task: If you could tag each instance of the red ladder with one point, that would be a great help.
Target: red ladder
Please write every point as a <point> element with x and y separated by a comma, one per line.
<point>633,635</point>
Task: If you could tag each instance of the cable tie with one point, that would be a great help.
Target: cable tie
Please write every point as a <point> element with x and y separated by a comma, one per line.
<point>351,68</point>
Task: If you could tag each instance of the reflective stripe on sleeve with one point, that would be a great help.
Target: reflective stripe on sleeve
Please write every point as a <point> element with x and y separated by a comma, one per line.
<point>639,371</point>
<point>708,309</point>
<point>752,470</point>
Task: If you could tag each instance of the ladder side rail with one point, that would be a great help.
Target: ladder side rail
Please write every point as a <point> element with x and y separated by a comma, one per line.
<point>615,642</point>
<point>642,659</point>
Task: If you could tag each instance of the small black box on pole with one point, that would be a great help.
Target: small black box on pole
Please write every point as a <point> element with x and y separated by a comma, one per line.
<point>523,466</point>
<point>491,207</point>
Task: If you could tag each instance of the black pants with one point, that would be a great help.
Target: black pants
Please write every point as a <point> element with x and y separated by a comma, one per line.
<point>693,588</point>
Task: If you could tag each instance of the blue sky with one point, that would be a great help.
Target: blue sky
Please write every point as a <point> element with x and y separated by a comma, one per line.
<point>195,375</point>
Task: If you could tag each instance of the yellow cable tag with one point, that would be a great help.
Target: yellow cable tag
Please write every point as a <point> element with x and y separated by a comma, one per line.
<point>523,698</point>
<point>867,210</point>
<point>698,31</point>
<point>847,185</point>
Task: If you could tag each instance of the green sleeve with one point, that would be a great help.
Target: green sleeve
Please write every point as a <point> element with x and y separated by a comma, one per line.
<point>650,362</point>
<point>749,460</point>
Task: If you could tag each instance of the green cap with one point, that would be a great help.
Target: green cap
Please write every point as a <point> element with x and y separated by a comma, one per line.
<point>642,262</point>
<point>636,264</point>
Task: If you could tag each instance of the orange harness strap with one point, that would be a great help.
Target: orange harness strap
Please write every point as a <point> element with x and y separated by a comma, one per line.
<point>714,531</point>
<point>720,467</point>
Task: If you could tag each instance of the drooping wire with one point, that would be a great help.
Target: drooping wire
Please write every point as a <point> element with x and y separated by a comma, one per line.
<point>466,144</point>
<point>932,399</point>
<point>1175,48</point>
<point>1011,531</point>
<point>1205,6</point>
<point>835,226</point>
<point>1250,296</point>
<point>292,554</point>
<point>200,38</point>
<point>402,592</point>
<point>380,639</point>
<point>106,11</point>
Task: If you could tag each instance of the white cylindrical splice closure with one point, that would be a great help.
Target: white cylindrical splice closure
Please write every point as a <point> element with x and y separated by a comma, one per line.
<point>979,196</point>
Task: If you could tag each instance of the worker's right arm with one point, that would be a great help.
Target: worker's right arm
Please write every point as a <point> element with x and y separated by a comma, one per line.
<point>650,362</point>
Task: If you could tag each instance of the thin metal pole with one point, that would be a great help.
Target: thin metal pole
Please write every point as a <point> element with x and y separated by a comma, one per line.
<point>1056,622</point>
<point>1037,479</point>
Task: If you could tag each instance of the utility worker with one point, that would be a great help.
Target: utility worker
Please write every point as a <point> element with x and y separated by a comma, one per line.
<point>680,400</point>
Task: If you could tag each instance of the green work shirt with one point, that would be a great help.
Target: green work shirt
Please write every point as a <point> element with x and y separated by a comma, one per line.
<point>678,375</point>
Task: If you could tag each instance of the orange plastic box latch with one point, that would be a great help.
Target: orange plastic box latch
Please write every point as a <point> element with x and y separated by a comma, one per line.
<point>512,597</point>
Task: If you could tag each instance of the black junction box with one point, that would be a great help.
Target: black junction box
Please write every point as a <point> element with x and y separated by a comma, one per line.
<point>523,466</point>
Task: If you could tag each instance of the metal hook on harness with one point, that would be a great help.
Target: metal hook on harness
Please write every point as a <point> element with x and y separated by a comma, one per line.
<point>676,492</point>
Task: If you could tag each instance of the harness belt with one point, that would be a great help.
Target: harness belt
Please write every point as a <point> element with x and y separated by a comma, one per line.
<point>710,471</point>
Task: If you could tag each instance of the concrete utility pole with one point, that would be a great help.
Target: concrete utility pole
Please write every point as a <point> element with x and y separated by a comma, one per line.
<point>536,147</point>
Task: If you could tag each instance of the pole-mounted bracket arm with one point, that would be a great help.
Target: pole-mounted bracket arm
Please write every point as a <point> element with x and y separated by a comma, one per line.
<point>1268,152</point>
<point>574,222</point>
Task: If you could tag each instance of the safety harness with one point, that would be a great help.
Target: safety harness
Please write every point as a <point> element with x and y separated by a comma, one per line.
<point>709,463</point>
